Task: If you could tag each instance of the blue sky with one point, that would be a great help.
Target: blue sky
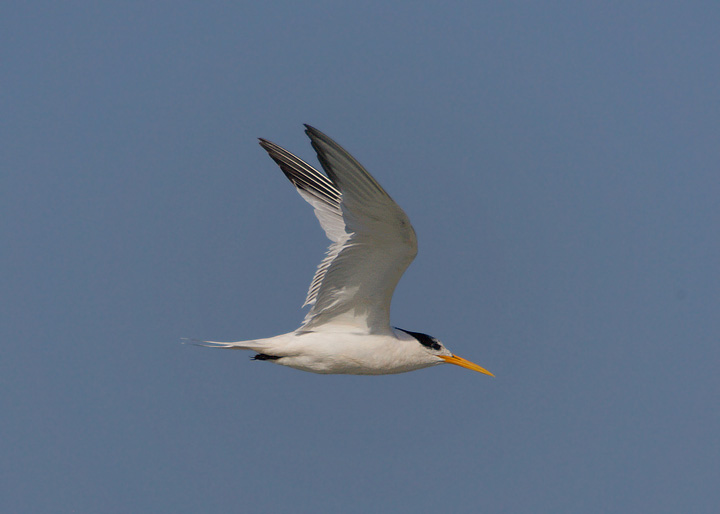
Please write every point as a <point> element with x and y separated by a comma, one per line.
<point>559,161</point>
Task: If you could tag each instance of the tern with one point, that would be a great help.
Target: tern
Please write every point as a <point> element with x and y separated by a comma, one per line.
<point>347,329</point>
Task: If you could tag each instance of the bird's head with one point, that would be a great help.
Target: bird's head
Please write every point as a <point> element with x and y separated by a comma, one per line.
<point>435,348</point>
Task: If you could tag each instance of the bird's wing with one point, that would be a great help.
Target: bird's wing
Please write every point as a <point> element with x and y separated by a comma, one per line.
<point>373,241</point>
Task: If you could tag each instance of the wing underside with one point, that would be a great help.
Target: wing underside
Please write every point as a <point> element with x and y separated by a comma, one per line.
<point>373,241</point>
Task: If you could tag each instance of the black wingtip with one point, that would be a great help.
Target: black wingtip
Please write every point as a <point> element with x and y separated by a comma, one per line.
<point>270,147</point>
<point>312,132</point>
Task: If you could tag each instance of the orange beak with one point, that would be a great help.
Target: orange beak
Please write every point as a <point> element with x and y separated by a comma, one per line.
<point>459,361</point>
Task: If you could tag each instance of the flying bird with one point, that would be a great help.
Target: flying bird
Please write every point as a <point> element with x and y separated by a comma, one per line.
<point>347,329</point>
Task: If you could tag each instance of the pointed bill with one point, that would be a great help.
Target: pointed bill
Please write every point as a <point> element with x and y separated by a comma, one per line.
<point>459,361</point>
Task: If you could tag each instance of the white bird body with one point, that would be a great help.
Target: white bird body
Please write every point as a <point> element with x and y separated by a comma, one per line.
<point>337,350</point>
<point>347,330</point>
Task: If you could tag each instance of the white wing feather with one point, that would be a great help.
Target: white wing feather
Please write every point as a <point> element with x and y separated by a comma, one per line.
<point>373,241</point>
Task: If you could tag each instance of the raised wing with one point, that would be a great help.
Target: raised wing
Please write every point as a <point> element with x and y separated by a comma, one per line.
<point>373,241</point>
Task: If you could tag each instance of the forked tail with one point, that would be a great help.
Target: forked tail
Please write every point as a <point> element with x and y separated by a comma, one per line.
<point>253,345</point>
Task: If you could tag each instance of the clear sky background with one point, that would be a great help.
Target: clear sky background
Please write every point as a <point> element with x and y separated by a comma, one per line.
<point>560,162</point>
